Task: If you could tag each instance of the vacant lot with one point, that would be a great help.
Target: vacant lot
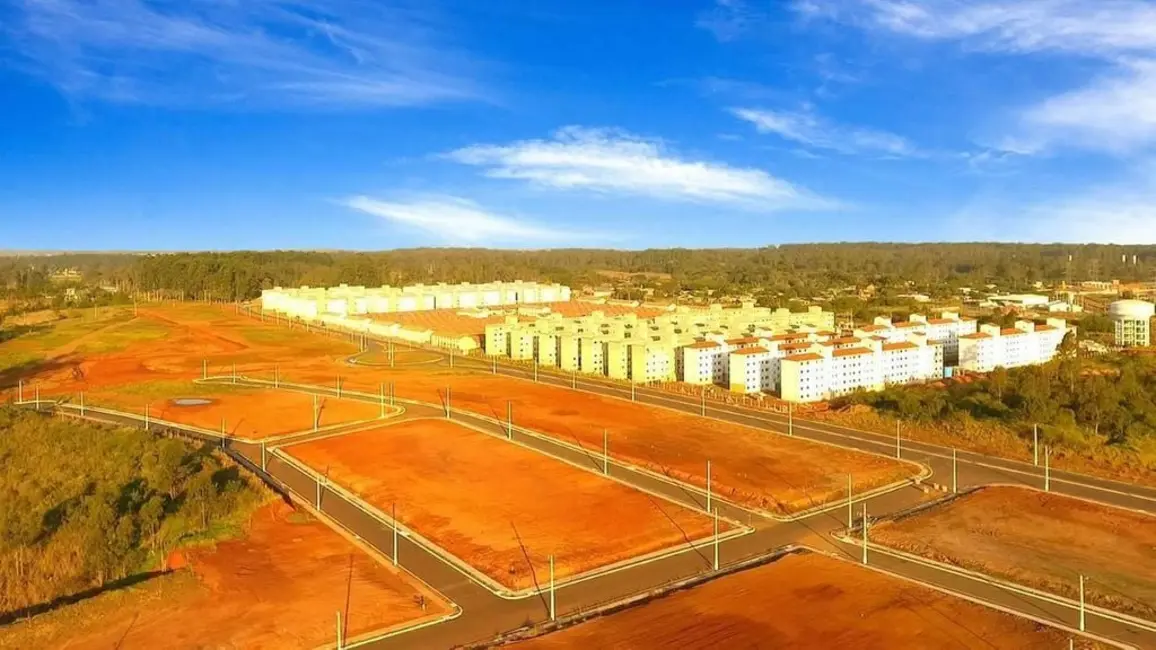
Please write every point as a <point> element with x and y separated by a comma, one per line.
<point>244,413</point>
<point>806,601</point>
<point>1041,540</point>
<point>281,586</point>
<point>501,508</point>
<point>87,352</point>
<point>769,471</point>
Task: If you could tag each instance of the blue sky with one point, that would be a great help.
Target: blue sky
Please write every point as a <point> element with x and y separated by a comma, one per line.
<point>372,124</point>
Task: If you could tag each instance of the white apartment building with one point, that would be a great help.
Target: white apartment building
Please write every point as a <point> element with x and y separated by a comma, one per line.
<point>1132,320</point>
<point>834,369</point>
<point>750,370</point>
<point>944,330</point>
<point>703,362</point>
<point>310,303</point>
<point>1025,344</point>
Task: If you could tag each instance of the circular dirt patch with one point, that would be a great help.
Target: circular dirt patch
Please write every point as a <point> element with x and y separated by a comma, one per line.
<point>191,401</point>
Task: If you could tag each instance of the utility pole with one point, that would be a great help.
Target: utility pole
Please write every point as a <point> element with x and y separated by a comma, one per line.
<point>204,368</point>
<point>146,410</point>
<point>605,452</point>
<point>790,419</point>
<point>553,610</point>
<point>708,487</point>
<point>264,462</point>
<point>382,400</point>
<point>1036,444</point>
<point>702,408</point>
<point>850,503</point>
<point>316,413</point>
<point>632,397</point>
<point>509,420</point>
<point>716,539</point>
<point>234,373</point>
<point>394,534</point>
<point>898,442</point>
<point>1047,469</point>
<point>864,532</point>
<point>1083,613</point>
<point>448,402</point>
<point>954,472</point>
<point>339,630</point>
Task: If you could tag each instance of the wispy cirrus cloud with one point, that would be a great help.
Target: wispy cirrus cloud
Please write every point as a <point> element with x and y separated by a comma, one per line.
<point>1113,112</point>
<point>457,220</point>
<point>278,53</point>
<point>813,132</point>
<point>607,160</point>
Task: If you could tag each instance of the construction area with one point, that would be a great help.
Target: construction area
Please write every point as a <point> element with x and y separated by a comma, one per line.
<point>433,500</point>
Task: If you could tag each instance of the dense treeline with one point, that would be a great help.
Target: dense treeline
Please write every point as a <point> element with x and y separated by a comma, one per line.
<point>1075,405</point>
<point>82,506</point>
<point>800,269</point>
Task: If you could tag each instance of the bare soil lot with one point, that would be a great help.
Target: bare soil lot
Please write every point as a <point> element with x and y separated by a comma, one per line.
<point>806,601</point>
<point>773,472</point>
<point>501,508</point>
<point>281,586</point>
<point>1041,540</point>
<point>248,414</point>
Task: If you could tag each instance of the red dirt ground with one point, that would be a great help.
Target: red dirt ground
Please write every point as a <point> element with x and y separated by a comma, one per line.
<point>197,333</point>
<point>279,587</point>
<point>1041,540</point>
<point>769,471</point>
<point>247,414</point>
<point>805,601</point>
<point>500,507</point>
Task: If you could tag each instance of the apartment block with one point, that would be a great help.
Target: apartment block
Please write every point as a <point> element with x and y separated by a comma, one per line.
<point>1024,344</point>
<point>344,300</point>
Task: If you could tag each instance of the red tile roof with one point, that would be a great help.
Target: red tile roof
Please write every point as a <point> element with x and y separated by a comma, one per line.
<point>1011,331</point>
<point>1045,328</point>
<point>745,340</point>
<point>809,356</point>
<point>787,347</point>
<point>976,336</point>
<point>703,345</point>
<point>850,352</point>
<point>746,351</point>
<point>902,345</point>
<point>940,321</point>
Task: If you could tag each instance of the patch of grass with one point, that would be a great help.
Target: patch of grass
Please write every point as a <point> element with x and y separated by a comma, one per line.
<point>169,389</point>
<point>140,330</point>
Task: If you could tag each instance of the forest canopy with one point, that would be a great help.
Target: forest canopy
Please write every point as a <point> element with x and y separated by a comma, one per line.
<point>795,269</point>
<point>83,505</point>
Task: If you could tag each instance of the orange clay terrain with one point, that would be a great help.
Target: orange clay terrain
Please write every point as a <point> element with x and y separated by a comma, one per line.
<point>164,342</point>
<point>280,586</point>
<point>753,467</point>
<point>247,414</point>
<point>805,601</point>
<point>499,507</point>
<point>1040,540</point>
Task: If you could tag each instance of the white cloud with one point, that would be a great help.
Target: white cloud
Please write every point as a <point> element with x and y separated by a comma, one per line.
<point>1116,113</point>
<point>1080,26</point>
<point>614,161</point>
<point>1123,212</point>
<point>456,220</point>
<point>808,129</point>
<point>335,54</point>
<point>1112,113</point>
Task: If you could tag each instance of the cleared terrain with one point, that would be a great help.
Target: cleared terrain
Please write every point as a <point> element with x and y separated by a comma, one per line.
<point>279,586</point>
<point>501,508</point>
<point>806,601</point>
<point>1041,540</point>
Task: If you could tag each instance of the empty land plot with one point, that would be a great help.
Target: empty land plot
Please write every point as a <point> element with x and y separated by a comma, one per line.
<point>806,601</point>
<point>750,466</point>
<point>277,587</point>
<point>499,507</point>
<point>244,413</point>
<point>1041,540</point>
